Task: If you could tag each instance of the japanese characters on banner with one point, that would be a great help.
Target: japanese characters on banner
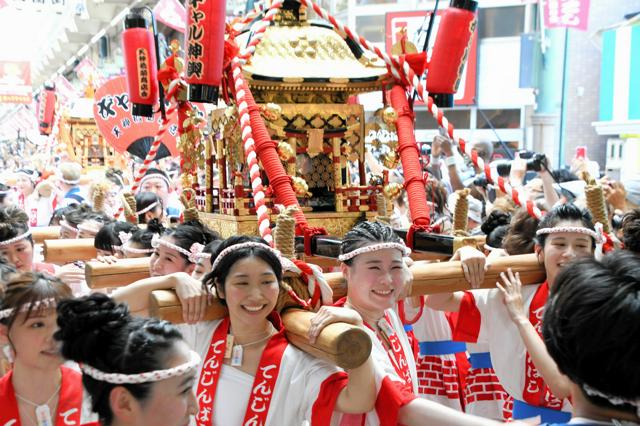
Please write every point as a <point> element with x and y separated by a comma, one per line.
<point>120,128</point>
<point>171,13</point>
<point>413,22</point>
<point>15,82</point>
<point>566,14</point>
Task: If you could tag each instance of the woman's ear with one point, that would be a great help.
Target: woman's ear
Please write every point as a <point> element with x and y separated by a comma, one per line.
<point>124,406</point>
<point>4,334</point>
<point>219,289</point>
<point>539,253</point>
<point>190,267</point>
<point>346,270</point>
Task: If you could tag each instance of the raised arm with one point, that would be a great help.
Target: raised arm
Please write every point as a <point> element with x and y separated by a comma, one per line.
<point>511,288</point>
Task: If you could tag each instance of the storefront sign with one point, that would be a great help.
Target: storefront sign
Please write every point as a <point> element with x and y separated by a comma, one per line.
<point>15,82</point>
<point>566,14</point>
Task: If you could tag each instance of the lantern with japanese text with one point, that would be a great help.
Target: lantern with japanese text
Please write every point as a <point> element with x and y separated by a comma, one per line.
<point>205,48</point>
<point>46,109</point>
<point>450,50</point>
<point>140,64</point>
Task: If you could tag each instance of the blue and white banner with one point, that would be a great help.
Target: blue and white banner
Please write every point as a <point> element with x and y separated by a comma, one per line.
<point>620,74</point>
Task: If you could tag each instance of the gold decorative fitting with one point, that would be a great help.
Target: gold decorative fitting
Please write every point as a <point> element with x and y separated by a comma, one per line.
<point>392,190</point>
<point>391,160</point>
<point>285,152</point>
<point>300,187</point>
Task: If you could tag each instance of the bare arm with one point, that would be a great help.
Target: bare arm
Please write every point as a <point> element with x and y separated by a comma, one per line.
<point>359,396</point>
<point>420,412</point>
<point>550,195</point>
<point>192,294</point>
<point>511,290</point>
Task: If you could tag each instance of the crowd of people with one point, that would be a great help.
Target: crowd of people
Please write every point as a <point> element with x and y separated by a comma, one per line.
<point>564,351</point>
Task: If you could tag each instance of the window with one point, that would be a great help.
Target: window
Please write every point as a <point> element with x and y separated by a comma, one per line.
<point>460,118</point>
<point>500,21</point>
<point>499,118</point>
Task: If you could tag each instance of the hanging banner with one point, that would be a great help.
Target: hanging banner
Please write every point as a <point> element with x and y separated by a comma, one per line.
<point>171,13</point>
<point>15,82</point>
<point>413,22</point>
<point>566,14</point>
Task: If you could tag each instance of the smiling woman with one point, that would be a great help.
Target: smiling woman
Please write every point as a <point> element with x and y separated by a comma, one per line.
<point>38,386</point>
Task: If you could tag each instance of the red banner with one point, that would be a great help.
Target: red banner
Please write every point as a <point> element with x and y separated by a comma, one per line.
<point>566,14</point>
<point>15,82</point>
<point>171,13</point>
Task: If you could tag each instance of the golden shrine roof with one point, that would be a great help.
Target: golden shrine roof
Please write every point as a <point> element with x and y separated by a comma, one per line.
<point>311,54</point>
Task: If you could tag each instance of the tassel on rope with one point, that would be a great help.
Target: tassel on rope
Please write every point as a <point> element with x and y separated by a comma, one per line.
<point>461,213</point>
<point>129,206</point>
<point>285,232</point>
<point>596,202</point>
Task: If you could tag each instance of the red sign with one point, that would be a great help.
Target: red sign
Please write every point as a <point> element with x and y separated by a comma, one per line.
<point>15,82</point>
<point>413,21</point>
<point>171,13</point>
<point>566,14</point>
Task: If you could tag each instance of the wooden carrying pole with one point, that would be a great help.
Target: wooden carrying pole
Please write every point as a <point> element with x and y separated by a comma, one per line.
<point>121,273</point>
<point>444,277</point>
<point>41,233</point>
<point>342,344</point>
<point>65,251</point>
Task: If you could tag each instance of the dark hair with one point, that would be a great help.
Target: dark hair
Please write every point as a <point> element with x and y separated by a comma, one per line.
<point>188,233</point>
<point>143,237</point>
<point>565,212</point>
<point>495,227</point>
<point>520,238</point>
<point>60,213</point>
<point>212,247</point>
<point>28,288</point>
<point>115,175</point>
<point>563,175</point>
<point>13,222</point>
<point>79,213</point>
<point>631,230</point>
<point>96,331</point>
<point>367,233</point>
<point>109,235</point>
<point>437,194</point>
<point>217,277</point>
<point>3,188</point>
<point>144,200</point>
<point>590,322</point>
<point>6,272</point>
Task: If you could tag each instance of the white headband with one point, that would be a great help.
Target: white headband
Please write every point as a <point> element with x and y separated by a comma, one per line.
<point>235,247</point>
<point>33,177</point>
<point>148,208</point>
<point>15,239</point>
<point>146,377</point>
<point>567,229</point>
<point>153,176</point>
<point>375,247</point>
<point>69,181</point>
<point>615,400</point>
<point>5,192</point>
<point>38,304</point>
<point>193,254</point>
<point>87,228</point>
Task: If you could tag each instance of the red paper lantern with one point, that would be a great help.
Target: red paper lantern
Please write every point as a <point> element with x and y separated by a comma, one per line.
<point>140,64</point>
<point>204,47</point>
<point>46,109</point>
<point>450,50</point>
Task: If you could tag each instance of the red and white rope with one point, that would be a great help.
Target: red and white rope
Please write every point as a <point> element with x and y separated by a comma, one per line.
<point>401,70</point>
<point>264,224</point>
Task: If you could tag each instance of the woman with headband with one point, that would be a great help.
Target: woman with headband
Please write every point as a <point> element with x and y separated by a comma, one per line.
<point>373,266</point>
<point>109,239</point>
<point>16,245</point>
<point>509,318</point>
<point>176,252</point>
<point>38,390</point>
<point>246,355</point>
<point>137,371</point>
<point>149,207</point>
